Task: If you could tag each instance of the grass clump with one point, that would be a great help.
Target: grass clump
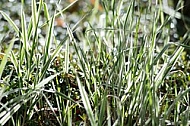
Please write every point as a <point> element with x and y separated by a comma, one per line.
<point>121,71</point>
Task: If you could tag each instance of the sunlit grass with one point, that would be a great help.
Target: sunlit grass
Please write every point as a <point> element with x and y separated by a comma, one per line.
<point>117,76</point>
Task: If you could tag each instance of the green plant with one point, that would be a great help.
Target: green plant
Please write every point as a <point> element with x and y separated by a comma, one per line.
<point>26,95</point>
<point>119,76</point>
<point>126,67</point>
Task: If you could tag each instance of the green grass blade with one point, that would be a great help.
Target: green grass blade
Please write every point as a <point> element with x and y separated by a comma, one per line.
<point>71,4</point>
<point>8,114</point>
<point>86,102</point>
<point>5,57</point>
<point>46,12</point>
<point>102,109</point>
<point>34,12</point>
<point>49,39</point>
<point>11,22</point>
<point>45,81</point>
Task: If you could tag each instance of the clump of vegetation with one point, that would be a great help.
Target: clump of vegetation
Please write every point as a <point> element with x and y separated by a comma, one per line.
<point>121,69</point>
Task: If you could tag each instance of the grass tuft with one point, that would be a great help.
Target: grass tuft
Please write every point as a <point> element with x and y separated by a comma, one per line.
<point>121,69</point>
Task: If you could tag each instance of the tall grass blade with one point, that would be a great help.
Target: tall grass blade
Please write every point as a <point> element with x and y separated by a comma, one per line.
<point>49,40</point>
<point>5,57</point>
<point>11,22</point>
<point>86,102</point>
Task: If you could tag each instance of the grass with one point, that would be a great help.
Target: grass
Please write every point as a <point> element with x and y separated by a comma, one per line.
<point>118,76</point>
